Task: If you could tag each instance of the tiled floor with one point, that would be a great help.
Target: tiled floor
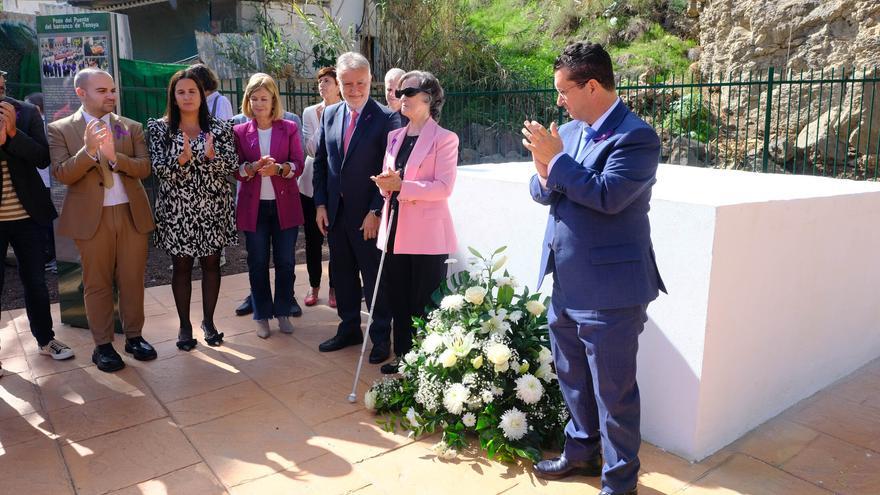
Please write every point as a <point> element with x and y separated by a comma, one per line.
<point>270,416</point>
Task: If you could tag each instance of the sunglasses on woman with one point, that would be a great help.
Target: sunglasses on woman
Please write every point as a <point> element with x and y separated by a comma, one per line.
<point>408,92</point>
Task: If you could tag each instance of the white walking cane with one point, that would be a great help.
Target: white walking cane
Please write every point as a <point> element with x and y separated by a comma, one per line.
<point>352,397</point>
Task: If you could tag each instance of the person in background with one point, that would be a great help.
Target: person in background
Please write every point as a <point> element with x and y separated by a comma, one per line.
<point>330,95</point>
<point>246,307</point>
<point>101,158</point>
<point>25,212</point>
<point>36,99</point>
<point>417,180</point>
<point>268,209</point>
<point>392,82</point>
<point>192,153</point>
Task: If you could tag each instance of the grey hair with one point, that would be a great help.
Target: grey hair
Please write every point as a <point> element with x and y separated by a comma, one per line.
<point>394,73</point>
<point>351,61</point>
<point>429,84</point>
<point>83,76</point>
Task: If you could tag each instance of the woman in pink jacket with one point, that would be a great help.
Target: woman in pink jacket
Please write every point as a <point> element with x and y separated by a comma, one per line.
<point>269,210</point>
<point>417,179</point>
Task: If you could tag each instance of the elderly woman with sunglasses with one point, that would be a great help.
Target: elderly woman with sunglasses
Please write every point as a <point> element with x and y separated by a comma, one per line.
<point>417,179</point>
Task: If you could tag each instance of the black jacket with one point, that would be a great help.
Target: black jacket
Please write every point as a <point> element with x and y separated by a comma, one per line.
<point>25,153</point>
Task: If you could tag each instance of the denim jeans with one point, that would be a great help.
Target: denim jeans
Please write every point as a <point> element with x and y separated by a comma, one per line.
<point>28,240</point>
<point>270,235</point>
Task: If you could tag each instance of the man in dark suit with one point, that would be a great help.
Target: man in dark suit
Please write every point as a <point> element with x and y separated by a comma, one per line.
<point>26,210</point>
<point>596,174</point>
<point>354,133</point>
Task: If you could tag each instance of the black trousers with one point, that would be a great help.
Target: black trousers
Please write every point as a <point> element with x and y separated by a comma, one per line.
<point>353,259</point>
<point>314,242</point>
<point>412,278</point>
<point>28,240</point>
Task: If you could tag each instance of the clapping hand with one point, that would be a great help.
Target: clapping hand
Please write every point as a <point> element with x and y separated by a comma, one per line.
<point>8,113</point>
<point>388,180</point>
<point>543,144</point>
<point>108,146</point>
<point>2,131</point>
<point>267,166</point>
<point>210,152</point>
<point>185,155</point>
<point>96,133</point>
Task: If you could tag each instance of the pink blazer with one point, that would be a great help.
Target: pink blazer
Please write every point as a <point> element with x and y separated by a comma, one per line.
<point>424,225</point>
<point>285,147</point>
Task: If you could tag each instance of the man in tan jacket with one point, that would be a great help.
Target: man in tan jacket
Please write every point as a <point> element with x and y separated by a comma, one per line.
<point>102,158</point>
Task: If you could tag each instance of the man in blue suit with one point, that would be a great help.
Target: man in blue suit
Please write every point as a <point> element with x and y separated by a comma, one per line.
<point>354,133</point>
<point>596,174</point>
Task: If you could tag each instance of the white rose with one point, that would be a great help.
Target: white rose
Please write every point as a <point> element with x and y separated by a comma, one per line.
<point>469,419</point>
<point>452,302</point>
<point>370,400</point>
<point>501,368</point>
<point>475,295</point>
<point>448,358</point>
<point>498,353</point>
<point>535,308</point>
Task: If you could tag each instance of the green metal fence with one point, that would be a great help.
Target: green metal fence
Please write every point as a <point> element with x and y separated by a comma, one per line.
<point>822,122</point>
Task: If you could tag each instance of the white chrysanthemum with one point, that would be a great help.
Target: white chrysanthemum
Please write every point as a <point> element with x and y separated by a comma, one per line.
<point>529,389</point>
<point>503,281</point>
<point>535,308</point>
<point>544,355</point>
<point>496,390</point>
<point>452,302</point>
<point>475,295</point>
<point>515,316</point>
<point>432,343</point>
<point>514,424</point>
<point>486,396</point>
<point>448,358</point>
<point>370,400</point>
<point>454,398</point>
<point>469,419</point>
<point>442,450</point>
<point>545,372</point>
<point>413,417</point>
<point>497,353</point>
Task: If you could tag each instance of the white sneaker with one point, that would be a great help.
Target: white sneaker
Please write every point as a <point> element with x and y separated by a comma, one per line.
<point>57,350</point>
<point>285,325</point>
<point>263,329</point>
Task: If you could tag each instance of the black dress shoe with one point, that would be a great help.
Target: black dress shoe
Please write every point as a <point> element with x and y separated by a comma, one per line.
<point>634,491</point>
<point>560,467</point>
<point>245,308</point>
<point>391,368</point>
<point>340,342</point>
<point>107,359</point>
<point>140,349</point>
<point>295,310</point>
<point>380,353</point>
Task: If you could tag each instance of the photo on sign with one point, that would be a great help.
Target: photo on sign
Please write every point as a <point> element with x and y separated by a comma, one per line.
<point>64,56</point>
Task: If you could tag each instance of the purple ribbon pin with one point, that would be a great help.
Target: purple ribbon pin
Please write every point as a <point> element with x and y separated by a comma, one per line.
<point>119,131</point>
<point>602,137</point>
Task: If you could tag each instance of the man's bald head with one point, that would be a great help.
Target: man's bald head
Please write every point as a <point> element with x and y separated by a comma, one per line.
<point>96,90</point>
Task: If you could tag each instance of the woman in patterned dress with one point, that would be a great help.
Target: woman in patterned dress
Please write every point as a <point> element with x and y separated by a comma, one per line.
<point>192,154</point>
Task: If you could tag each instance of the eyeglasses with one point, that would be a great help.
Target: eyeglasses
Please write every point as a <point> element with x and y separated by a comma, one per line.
<point>563,93</point>
<point>408,92</point>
